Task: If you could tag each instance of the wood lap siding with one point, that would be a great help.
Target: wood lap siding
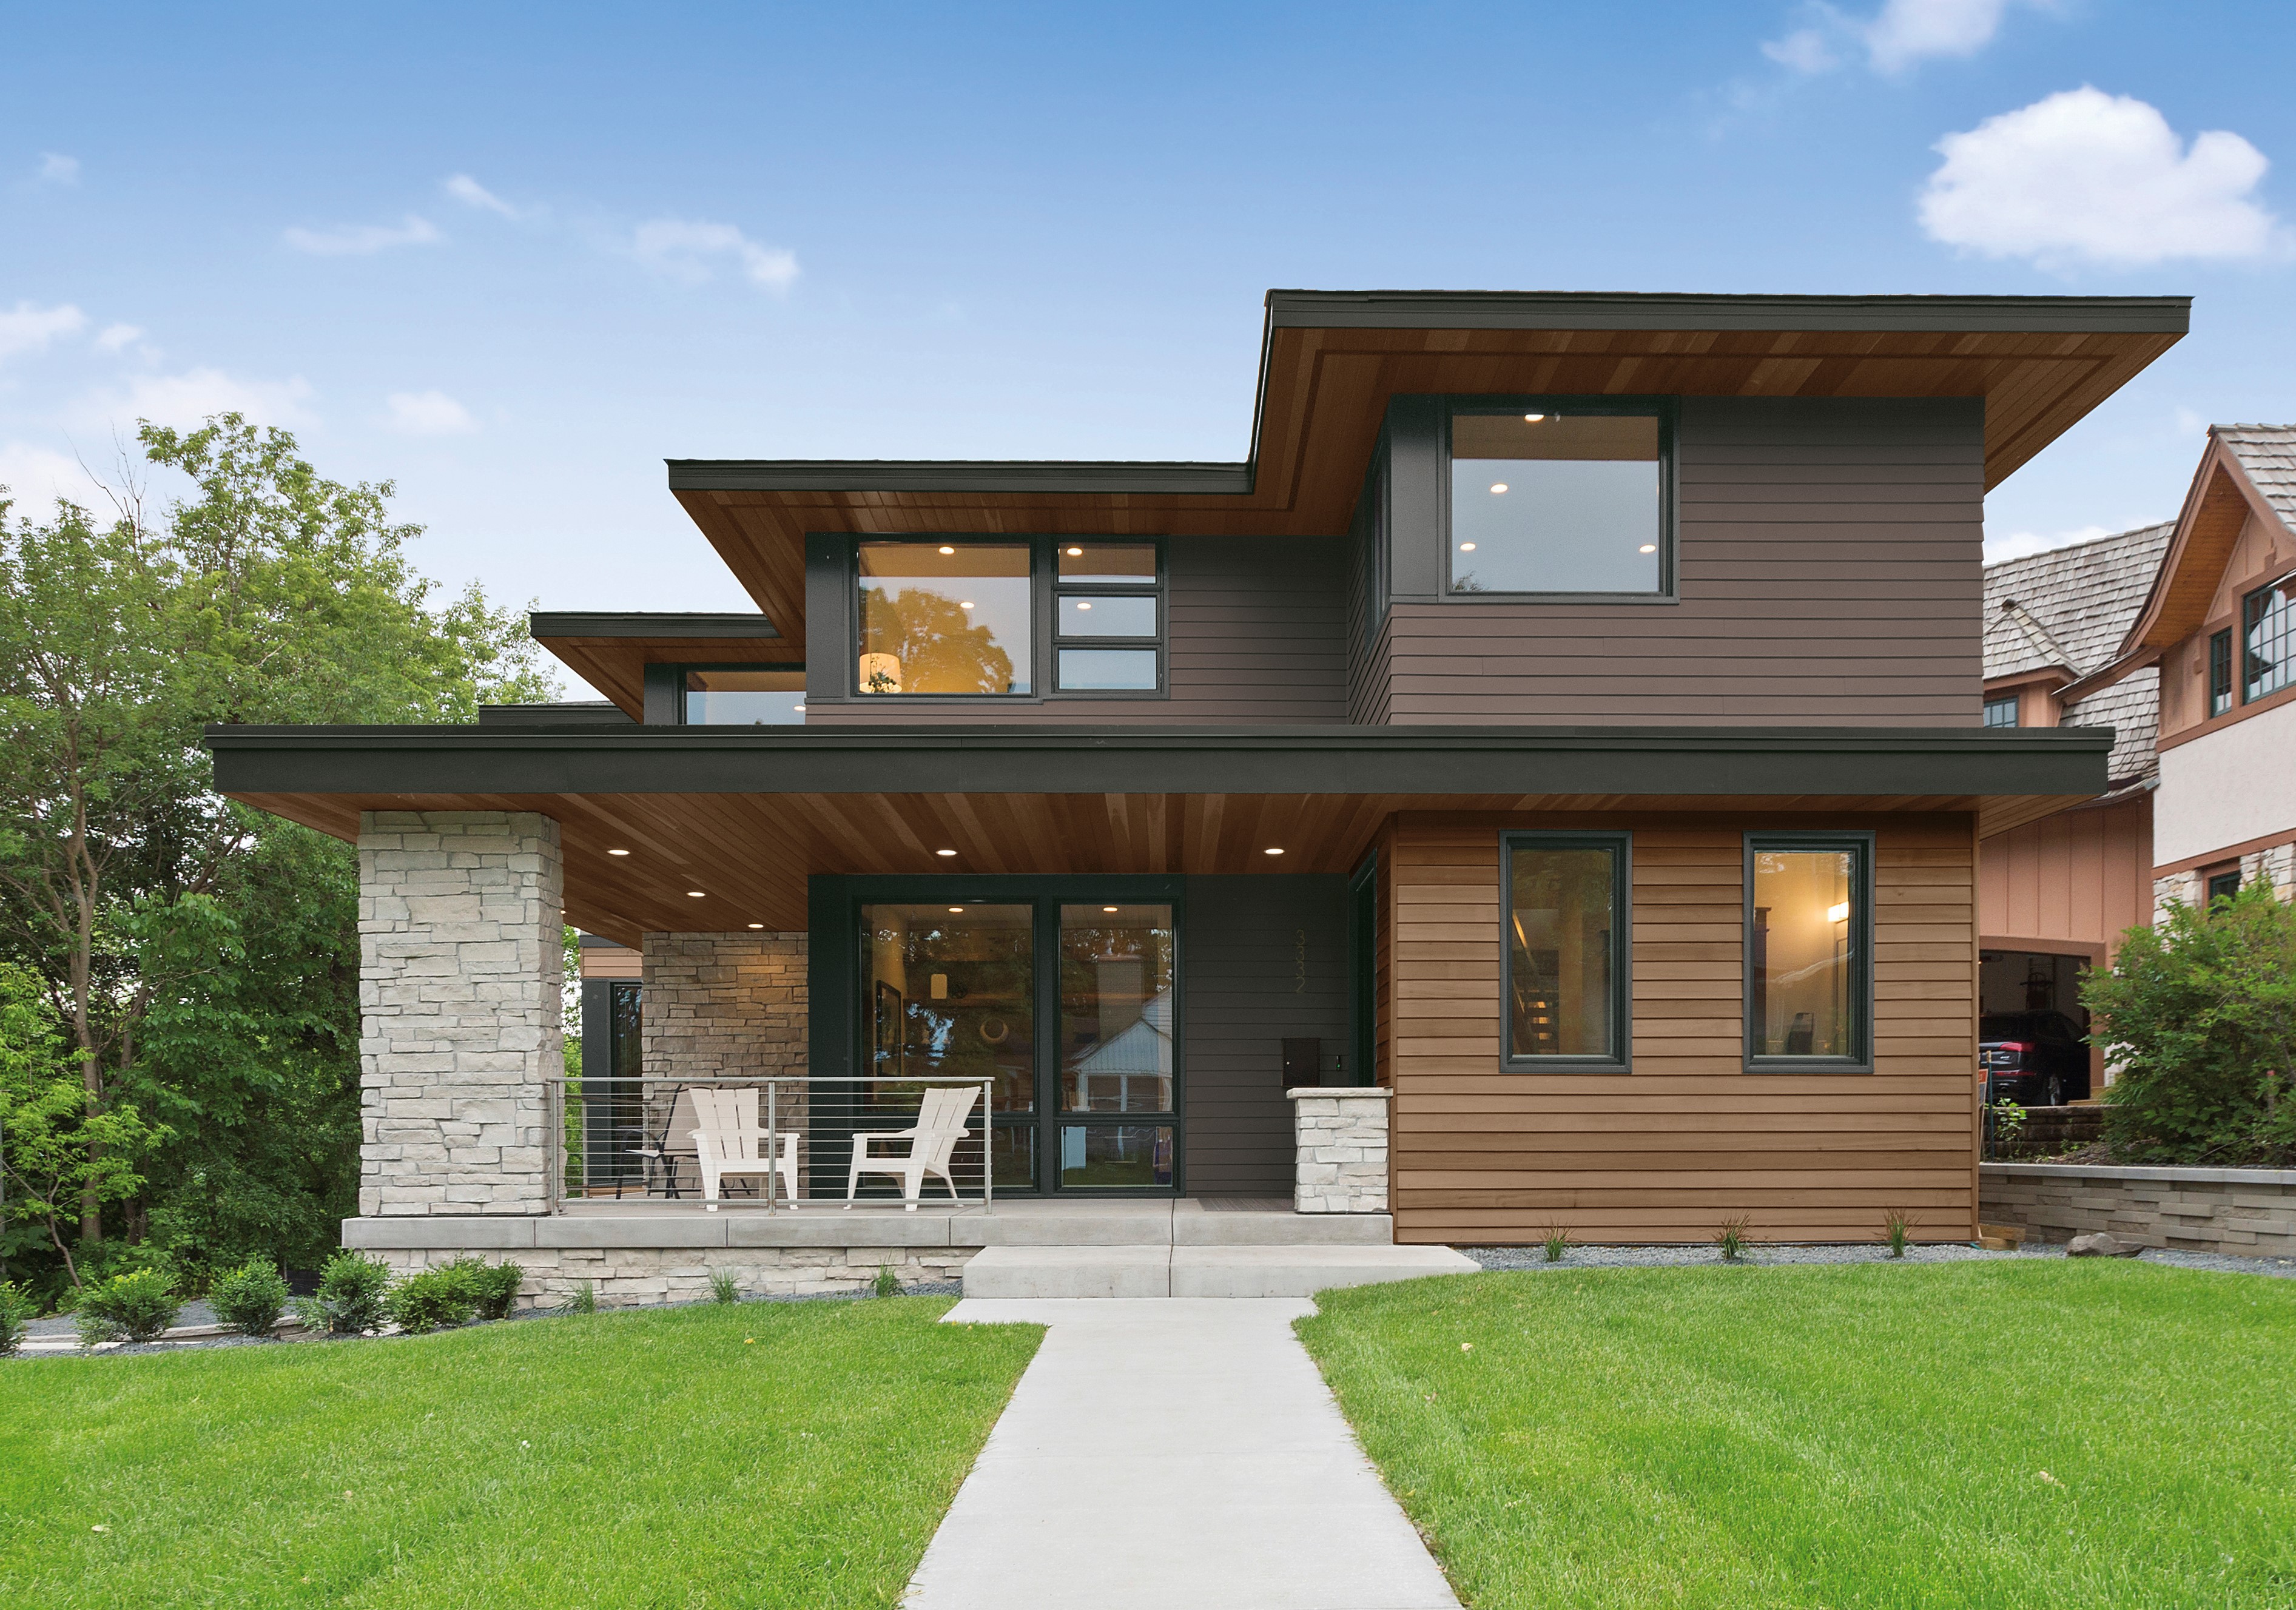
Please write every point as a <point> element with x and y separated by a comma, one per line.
<point>1829,572</point>
<point>1686,1139</point>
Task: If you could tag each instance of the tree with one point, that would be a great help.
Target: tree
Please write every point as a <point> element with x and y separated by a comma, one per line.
<point>2200,1014</point>
<point>199,957</point>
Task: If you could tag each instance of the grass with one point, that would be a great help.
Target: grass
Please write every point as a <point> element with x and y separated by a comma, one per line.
<point>763,1454</point>
<point>2095,1433</point>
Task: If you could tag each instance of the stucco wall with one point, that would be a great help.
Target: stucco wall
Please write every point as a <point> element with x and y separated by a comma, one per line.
<point>2230,787</point>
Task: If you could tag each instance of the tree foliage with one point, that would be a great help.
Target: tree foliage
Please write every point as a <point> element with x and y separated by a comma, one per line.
<point>2200,1015</point>
<point>198,959</point>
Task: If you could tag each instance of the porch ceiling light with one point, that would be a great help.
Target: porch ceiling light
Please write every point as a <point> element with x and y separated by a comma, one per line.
<point>1271,850</point>
<point>943,852</point>
<point>1076,553</point>
<point>618,852</point>
<point>956,908</point>
<point>1532,419</point>
<point>946,549</point>
<point>756,924</point>
<point>1108,907</point>
<point>694,894</point>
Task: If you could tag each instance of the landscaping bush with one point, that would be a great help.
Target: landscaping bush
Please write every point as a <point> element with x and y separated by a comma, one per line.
<point>136,1306</point>
<point>433,1300</point>
<point>2200,1015</point>
<point>15,1315</point>
<point>491,1289</point>
<point>251,1298</point>
<point>350,1295</point>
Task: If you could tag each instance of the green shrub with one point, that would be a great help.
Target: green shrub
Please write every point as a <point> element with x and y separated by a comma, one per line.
<point>1896,1230</point>
<point>251,1298</point>
<point>433,1299</point>
<point>349,1300</point>
<point>494,1288</point>
<point>2200,1016</point>
<point>15,1315</point>
<point>137,1306</point>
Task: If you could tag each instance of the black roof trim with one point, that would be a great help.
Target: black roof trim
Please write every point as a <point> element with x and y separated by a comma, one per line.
<point>620,623</point>
<point>1479,760</point>
<point>955,476</point>
<point>572,712</point>
<point>1668,310</point>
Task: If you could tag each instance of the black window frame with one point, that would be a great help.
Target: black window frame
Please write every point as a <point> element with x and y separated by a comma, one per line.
<point>2221,688</point>
<point>1861,915</point>
<point>682,668</point>
<point>2011,701</point>
<point>2252,606</point>
<point>2229,876</point>
<point>1667,411</point>
<point>1044,591</point>
<point>1621,846</point>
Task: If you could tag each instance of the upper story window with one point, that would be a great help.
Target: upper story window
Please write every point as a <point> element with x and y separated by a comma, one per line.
<point>944,618</point>
<point>743,695</point>
<point>1560,498</point>
<point>2001,712</point>
<point>2267,626</point>
<point>2220,672</point>
<point>967,617</point>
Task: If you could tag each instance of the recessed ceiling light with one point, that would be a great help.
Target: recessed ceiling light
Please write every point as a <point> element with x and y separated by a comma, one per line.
<point>1271,851</point>
<point>956,908</point>
<point>1466,548</point>
<point>1108,907</point>
<point>964,603</point>
<point>945,549</point>
<point>1532,419</point>
<point>1083,605</point>
<point>799,708</point>
<point>1076,553</point>
<point>693,894</point>
<point>943,852</point>
<point>618,852</point>
<point>756,924</point>
<point>1648,548</point>
<point>1499,486</point>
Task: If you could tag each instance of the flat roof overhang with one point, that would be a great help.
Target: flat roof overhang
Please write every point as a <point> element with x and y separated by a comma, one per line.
<point>1330,360</point>
<point>610,649</point>
<point>748,815</point>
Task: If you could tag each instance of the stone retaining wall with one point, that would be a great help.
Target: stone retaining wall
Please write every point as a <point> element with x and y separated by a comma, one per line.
<point>1340,1134</point>
<point>2249,1212</point>
<point>619,1276</point>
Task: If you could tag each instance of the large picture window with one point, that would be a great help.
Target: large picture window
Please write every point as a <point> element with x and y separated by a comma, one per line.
<point>1809,949</point>
<point>944,618</point>
<point>2267,621</point>
<point>1559,498</point>
<point>1566,937</point>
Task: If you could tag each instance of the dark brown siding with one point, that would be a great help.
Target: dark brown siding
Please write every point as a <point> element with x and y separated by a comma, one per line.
<point>1686,1139</point>
<point>1256,635</point>
<point>1264,959</point>
<point>1830,573</point>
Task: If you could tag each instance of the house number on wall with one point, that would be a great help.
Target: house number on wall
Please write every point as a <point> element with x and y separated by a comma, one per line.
<point>1300,952</point>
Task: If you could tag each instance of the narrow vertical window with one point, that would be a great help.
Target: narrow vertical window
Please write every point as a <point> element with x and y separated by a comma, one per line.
<point>1566,934</point>
<point>1808,943</point>
<point>1107,617</point>
<point>2267,621</point>
<point>2220,672</point>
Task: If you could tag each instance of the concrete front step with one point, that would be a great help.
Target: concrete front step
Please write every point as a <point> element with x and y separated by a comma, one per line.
<point>1160,1270</point>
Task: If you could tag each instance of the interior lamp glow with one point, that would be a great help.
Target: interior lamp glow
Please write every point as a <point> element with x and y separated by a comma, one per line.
<point>1838,913</point>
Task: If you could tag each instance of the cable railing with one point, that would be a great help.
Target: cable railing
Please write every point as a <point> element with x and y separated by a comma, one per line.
<point>767,1142</point>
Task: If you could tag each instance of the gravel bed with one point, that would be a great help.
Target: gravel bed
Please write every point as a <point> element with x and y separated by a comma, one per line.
<point>1685,1257</point>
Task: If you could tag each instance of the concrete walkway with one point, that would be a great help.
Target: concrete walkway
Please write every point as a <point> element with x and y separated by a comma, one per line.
<point>1166,1453</point>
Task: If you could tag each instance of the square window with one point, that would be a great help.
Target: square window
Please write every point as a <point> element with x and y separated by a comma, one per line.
<point>944,618</point>
<point>1809,941</point>
<point>1566,945</point>
<point>1558,500</point>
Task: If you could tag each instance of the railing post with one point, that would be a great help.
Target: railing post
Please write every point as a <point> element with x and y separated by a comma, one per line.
<point>987,1145</point>
<point>773,1141</point>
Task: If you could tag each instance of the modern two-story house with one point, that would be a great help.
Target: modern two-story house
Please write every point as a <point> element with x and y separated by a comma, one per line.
<point>1563,729</point>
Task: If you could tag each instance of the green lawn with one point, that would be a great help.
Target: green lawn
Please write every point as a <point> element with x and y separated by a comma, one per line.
<point>1855,1435</point>
<point>766,1454</point>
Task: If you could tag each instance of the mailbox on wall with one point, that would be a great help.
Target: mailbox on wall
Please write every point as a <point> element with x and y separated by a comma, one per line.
<point>1303,1063</point>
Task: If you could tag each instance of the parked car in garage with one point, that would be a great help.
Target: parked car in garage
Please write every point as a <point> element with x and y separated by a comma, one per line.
<point>2037,1059</point>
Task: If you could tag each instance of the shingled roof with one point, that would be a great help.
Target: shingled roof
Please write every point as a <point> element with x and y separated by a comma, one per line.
<point>2071,607</point>
<point>2268,455</point>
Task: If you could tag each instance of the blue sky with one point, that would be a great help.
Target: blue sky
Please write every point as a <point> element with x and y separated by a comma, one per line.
<point>513,258</point>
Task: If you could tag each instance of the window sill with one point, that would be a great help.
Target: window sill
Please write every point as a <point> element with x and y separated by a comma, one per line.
<point>1808,1064</point>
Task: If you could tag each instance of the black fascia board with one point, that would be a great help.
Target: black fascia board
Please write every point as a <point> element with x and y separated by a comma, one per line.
<point>956,475</point>
<point>1642,760</point>
<point>623,623</point>
<point>1667,310</point>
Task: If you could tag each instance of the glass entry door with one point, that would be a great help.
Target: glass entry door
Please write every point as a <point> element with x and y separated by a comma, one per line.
<point>1068,1007</point>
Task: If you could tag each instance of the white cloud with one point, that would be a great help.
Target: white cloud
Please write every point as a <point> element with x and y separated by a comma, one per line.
<point>29,328</point>
<point>113,337</point>
<point>687,249</point>
<point>427,414</point>
<point>1806,50</point>
<point>57,168</point>
<point>1901,35</point>
<point>2085,175</point>
<point>35,477</point>
<point>2017,545</point>
<point>468,191</point>
<point>186,398</point>
<point>363,240</point>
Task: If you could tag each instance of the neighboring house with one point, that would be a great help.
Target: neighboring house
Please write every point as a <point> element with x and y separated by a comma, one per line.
<point>1568,718</point>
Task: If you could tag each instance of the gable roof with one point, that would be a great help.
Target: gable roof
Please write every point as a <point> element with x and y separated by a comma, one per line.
<point>1330,360</point>
<point>2267,454</point>
<point>2071,606</point>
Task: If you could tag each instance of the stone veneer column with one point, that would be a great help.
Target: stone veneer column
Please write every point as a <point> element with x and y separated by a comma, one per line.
<point>461,951</point>
<point>726,1005</point>
<point>1341,1133</point>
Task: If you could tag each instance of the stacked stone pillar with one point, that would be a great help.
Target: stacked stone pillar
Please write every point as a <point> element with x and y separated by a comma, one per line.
<point>461,953</point>
<point>1340,1136</point>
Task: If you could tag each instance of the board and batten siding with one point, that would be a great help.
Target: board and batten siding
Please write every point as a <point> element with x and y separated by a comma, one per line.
<point>1256,634</point>
<point>1830,573</point>
<point>1686,1139</point>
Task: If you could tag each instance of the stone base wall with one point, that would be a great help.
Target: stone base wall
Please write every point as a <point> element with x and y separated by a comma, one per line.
<point>1341,1159</point>
<point>724,1005</point>
<point>2248,1212</point>
<point>2276,866</point>
<point>621,1275</point>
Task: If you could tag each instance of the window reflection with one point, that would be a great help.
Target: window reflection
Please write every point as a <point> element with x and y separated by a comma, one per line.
<point>1562,913</point>
<point>1802,961</point>
<point>943,618</point>
<point>1116,1009</point>
<point>950,993</point>
<point>1556,503</point>
<point>752,697</point>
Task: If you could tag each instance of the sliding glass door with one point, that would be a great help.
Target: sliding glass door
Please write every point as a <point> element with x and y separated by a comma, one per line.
<point>1067,1004</point>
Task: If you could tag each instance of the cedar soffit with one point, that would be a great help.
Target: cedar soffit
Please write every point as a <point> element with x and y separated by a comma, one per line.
<point>610,651</point>
<point>1330,360</point>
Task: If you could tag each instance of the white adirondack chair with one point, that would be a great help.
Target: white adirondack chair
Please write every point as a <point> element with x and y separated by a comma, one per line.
<point>727,1141</point>
<point>939,1126</point>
